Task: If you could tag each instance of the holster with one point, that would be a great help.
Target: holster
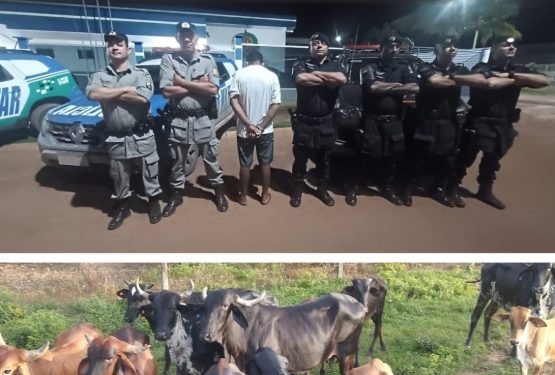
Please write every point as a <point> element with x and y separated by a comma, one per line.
<point>516,116</point>
<point>167,114</point>
<point>294,118</point>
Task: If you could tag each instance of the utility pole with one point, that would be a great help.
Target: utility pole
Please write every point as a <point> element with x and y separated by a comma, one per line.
<point>165,282</point>
<point>475,39</point>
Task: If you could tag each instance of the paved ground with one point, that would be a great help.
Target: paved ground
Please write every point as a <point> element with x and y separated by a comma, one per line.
<point>46,210</point>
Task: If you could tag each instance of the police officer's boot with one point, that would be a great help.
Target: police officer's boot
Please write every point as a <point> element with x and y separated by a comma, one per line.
<point>439,194</point>
<point>297,193</point>
<point>176,200</point>
<point>154,212</point>
<point>221,200</point>
<point>455,197</point>
<point>351,197</point>
<point>406,197</point>
<point>389,194</point>
<point>322,193</point>
<point>485,195</point>
<point>122,212</point>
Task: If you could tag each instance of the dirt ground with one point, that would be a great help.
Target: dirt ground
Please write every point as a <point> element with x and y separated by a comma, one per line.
<point>49,210</point>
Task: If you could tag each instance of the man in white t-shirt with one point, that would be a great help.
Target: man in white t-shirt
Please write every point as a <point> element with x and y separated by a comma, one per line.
<point>255,98</point>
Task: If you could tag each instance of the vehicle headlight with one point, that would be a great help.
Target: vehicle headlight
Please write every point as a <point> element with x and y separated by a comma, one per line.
<point>46,126</point>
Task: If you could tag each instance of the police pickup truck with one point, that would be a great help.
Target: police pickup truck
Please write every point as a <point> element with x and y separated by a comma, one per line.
<point>71,134</point>
<point>30,86</point>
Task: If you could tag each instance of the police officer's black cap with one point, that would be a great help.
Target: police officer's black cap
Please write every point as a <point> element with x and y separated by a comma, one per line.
<point>391,40</point>
<point>321,37</point>
<point>497,39</point>
<point>185,26</point>
<point>115,35</point>
<point>449,41</point>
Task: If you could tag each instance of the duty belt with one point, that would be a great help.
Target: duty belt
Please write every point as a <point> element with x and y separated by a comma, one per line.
<point>384,118</point>
<point>492,120</point>
<point>438,115</point>
<point>314,120</point>
<point>139,129</point>
<point>190,113</point>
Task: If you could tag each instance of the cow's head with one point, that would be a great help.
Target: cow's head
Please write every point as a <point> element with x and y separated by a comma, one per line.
<point>134,300</point>
<point>218,305</point>
<point>519,317</point>
<point>162,310</point>
<point>363,290</point>
<point>14,361</point>
<point>541,274</point>
<point>108,355</point>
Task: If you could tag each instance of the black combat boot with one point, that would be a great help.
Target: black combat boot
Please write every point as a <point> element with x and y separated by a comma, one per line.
<point>154,213</point>
<point>389,194</point>
<point>323,194</point>
<point>485,195</point>
<point>406,198</point>
<point>455,197</point>
<point>221,200</point>
<point>351,197</point>
<point>122,212</point>
<point>438,193</point>
<point>297,193</point>
<point>176,200</point>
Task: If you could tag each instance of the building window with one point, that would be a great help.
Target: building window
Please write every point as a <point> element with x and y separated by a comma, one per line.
<point>45,52</point>
<point>85,54</point>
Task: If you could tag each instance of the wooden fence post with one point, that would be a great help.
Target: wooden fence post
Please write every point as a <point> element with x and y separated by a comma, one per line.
<point>340,270</point>
<point>165,282</point>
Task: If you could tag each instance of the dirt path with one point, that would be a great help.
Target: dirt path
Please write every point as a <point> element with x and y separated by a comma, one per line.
<point>46,210</point>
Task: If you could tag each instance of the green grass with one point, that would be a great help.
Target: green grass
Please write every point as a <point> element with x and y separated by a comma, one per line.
<point>550,90</point>
<point>426,317</point>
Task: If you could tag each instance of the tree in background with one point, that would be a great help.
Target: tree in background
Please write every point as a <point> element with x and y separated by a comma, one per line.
<point>484,18</point>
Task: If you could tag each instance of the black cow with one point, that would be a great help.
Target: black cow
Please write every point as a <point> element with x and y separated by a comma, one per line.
<point>267,362</point>
<point>177,322</point>
<point>134,301</point>
<point>307,334</point>
<point>371,292</point>
<point>512,284</point>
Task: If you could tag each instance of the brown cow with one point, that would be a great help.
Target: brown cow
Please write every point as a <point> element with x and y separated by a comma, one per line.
<point>376,367</point>
<point>70,347</point>
<point>125,351</point>
<point>533,337</point>
<point>223,367</point>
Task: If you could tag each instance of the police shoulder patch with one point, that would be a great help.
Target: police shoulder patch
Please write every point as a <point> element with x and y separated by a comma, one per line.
<point>215,72</point>
<point>148,84</point>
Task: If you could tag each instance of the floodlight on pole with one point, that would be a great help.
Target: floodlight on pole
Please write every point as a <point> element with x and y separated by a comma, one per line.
<point>338,38</point>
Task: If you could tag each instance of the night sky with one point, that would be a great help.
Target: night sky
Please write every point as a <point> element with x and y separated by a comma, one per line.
<point>536,20</point>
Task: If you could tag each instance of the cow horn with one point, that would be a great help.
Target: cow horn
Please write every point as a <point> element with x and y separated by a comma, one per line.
<point>253,302</point>
<point>129,283</point>
<point>204,293</point>
<point>140,291</point>
<point>136,348</point>
<point>2,342</point>
<point>88,338</point>
<point>33,355</point>
<point>188,292</point>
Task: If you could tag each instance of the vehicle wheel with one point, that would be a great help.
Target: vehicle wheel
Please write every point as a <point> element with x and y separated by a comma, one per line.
<point>38,115</point>
<point>192,158</point>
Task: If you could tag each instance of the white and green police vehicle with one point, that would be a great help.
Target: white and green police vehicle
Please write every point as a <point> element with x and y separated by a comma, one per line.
<point>30,86</point>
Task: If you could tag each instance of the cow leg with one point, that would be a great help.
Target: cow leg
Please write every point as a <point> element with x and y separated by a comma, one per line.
<point>492,308</point>
<point>538,369</point>
<point>480,305</point>
<point>345,365</point>
<point>379,326</point>
<point>322,369</point>
<point>376,334</point>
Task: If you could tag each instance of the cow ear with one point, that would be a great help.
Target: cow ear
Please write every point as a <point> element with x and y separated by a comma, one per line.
<point>348,290</point>
<point>125,366</point>
<point>500,318</point>
<point>83,367</point>
<point>122,293</point>
<point>537,322</point>
<point>374,292</point>
<point>149,286</point>
<point>239,317</point>
<point>188,311</point>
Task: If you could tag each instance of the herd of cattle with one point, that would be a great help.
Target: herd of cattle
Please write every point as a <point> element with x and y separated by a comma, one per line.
<point>203,331</point>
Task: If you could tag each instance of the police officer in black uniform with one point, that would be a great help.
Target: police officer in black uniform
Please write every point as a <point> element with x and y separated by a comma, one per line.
<point>438,129</point>
<point>317,80</point>
<point>384,84</point>
<point>490,122</point>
